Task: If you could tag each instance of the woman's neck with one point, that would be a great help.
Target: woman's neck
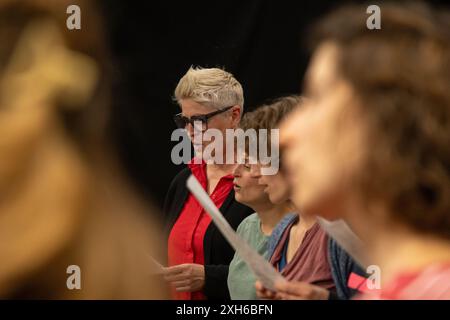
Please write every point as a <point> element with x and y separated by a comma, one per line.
<point>270,215</point>
<point>220,169</point>
<point>306,221</point>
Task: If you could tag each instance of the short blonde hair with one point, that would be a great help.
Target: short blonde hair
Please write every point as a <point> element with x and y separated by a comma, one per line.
<point>212,87</point>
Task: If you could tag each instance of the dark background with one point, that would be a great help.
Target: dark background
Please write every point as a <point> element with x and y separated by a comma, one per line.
<point>153,44</point>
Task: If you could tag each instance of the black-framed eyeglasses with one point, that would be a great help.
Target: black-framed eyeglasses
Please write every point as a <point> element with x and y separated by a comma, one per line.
<point>198,122</point>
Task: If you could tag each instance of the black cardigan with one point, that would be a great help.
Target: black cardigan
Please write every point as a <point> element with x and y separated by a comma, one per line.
<point>218,253</point>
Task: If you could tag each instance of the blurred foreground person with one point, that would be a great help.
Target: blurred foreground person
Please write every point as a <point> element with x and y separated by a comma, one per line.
<point>64,202</point>
<point>372,146</point>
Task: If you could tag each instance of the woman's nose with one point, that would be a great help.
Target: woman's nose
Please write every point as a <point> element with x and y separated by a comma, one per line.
<point>237,170</point>
<point>190,129</point>
<point>255,171</point>
<point>195,135</point>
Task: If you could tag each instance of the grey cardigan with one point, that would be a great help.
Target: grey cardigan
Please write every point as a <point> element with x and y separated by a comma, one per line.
<point>341,264</point>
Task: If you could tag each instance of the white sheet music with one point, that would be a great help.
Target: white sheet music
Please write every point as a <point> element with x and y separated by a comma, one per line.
<point>262,269</point>
<point>156,267</point>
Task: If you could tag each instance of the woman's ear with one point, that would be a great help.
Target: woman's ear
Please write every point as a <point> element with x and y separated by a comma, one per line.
<point>236,115</point>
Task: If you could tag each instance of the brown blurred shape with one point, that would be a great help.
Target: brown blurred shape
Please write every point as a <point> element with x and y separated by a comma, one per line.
<point>63,197</point>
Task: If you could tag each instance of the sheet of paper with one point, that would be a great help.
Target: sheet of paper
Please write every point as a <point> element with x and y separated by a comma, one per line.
<point>156,267</point>
<point>262,269</point>
<point>346,238</point>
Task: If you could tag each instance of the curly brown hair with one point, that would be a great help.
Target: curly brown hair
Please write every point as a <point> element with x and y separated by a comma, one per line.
<point>401,76</point>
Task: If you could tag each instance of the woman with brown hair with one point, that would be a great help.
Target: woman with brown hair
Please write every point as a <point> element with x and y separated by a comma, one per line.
<point>257,228</point>
<point>372,145</point>
<point>298,245</point>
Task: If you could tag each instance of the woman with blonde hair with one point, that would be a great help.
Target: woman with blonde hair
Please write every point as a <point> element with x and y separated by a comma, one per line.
<point>198,255</point>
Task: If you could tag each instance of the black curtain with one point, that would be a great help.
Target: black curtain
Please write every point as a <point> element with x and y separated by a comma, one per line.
<point>154,43</point>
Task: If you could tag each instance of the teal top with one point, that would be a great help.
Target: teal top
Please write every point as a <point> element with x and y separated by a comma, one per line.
<point>241,280</point>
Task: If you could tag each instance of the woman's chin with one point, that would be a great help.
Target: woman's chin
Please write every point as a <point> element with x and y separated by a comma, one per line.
<point>239,198</point>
